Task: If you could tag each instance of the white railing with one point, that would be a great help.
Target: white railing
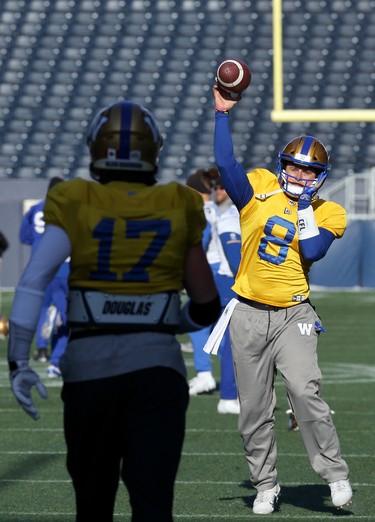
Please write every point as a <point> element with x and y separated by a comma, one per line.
<point>356,193</point>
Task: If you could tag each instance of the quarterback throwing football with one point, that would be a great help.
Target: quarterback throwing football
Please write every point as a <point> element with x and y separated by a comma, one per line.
<point>284,229</point>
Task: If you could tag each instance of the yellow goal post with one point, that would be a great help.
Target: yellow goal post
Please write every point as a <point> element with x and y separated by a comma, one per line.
<point>279,114</point>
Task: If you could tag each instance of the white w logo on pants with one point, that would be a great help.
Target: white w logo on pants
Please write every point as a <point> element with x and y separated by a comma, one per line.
<point>305,328</point>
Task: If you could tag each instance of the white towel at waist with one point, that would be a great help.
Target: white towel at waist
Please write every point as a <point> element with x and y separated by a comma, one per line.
<point>213,342</point>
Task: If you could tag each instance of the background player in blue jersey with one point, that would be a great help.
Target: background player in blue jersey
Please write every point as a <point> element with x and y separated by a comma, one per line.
<point>134,245</point>
<point>284,229</point>
<point>52,328</point>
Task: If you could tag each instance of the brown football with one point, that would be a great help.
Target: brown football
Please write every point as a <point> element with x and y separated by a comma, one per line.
<point>233,75</point>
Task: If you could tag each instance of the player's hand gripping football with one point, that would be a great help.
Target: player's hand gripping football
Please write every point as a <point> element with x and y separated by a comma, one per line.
<point>22,379</point>
<point>223,99</point>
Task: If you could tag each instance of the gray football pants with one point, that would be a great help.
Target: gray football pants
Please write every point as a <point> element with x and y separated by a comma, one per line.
<point>286,340</point>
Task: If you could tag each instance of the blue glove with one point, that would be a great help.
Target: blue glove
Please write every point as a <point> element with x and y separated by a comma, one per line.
<point>22,379</point>
<point>306,197</point>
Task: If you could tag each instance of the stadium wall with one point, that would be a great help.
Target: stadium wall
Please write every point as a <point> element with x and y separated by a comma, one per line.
<point>348,264</point>
<point>350,260</point>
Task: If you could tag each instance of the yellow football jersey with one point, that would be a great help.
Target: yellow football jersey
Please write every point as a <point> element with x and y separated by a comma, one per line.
<point>272,270</point>
<point>127,238</point>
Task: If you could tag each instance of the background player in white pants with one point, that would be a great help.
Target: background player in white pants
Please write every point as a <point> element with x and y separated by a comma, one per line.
<point>229,233</point>
<point>202,181</point>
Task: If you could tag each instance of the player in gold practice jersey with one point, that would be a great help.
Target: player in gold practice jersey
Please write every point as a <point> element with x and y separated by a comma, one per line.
<point>284,229</point>
<point>134,245</point>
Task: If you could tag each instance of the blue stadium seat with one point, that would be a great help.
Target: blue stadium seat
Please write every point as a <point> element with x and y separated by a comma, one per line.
<point>62,61</point>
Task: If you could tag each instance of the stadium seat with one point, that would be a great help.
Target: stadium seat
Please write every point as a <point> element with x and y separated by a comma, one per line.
<point>62,61</point>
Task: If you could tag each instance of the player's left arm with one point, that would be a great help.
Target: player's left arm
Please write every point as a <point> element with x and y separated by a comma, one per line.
<point>316,247</point>
<point>315,238</point>
<point>53,249</point>
<point>203,306</point>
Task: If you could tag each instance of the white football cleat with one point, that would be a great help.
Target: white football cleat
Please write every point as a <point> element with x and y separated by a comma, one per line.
<point>264,503</point>
<point>341,493</point>
<point>228,406</point>
<point>187,348</point>
<point>53,372</point>
<point>202,383</point>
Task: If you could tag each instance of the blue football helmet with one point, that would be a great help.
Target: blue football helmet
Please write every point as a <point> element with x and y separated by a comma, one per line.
<point>123,137</point>
<point>305,151</point>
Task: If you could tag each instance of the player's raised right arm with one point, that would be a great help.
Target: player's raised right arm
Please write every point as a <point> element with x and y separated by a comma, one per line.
<point>231,171</point>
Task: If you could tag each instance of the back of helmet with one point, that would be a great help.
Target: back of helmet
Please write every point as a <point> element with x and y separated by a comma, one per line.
<point>124,140</point>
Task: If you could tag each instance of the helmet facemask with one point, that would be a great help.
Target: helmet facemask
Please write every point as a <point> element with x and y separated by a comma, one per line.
<point>303,151</point>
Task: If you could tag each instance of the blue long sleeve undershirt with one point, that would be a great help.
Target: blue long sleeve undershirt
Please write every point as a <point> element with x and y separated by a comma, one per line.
<point>316,247</point>
<point>232,173</point>
<point>240,190</point>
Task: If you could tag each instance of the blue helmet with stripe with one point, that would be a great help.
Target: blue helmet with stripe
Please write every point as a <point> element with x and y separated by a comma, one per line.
<point>304,151</point>
<point>123,137</point>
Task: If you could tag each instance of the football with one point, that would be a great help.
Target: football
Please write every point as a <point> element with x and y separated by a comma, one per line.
<point>233,76</point>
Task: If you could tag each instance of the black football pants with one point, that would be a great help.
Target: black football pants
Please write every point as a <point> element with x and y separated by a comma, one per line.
<point>132,426</point>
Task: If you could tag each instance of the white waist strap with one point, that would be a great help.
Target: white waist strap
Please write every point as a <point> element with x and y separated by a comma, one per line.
<point>87,307</point>
<point>213,342</point>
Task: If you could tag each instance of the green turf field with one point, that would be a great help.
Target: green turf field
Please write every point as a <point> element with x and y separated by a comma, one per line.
<point>213,482</point>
